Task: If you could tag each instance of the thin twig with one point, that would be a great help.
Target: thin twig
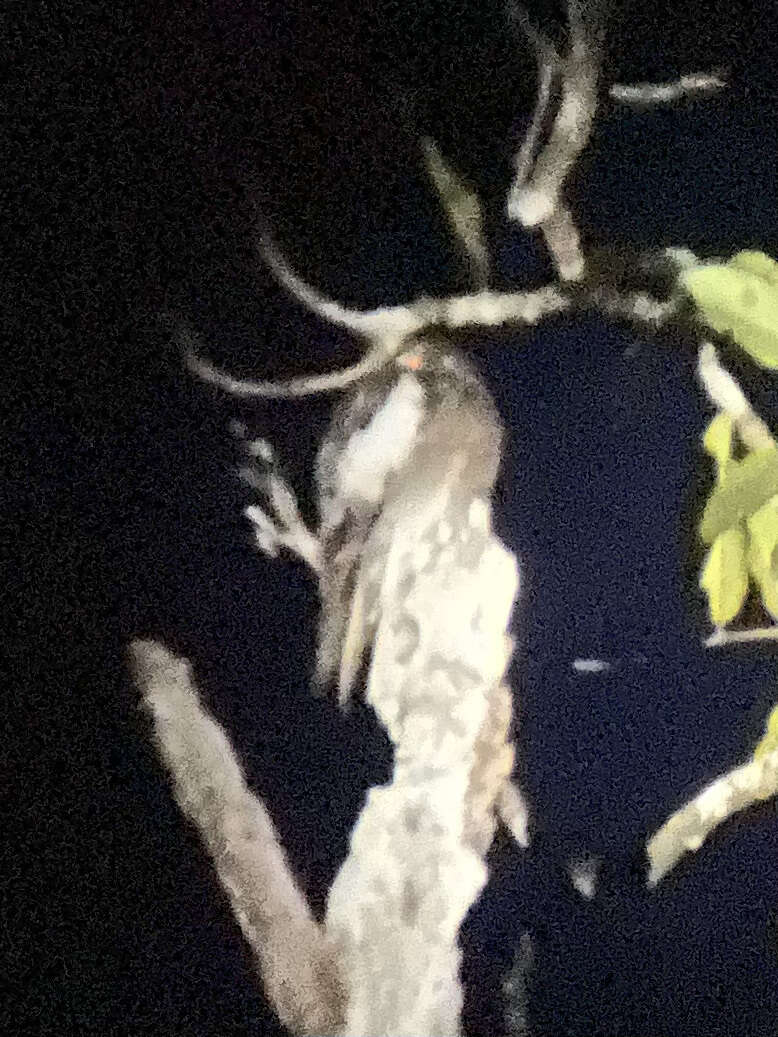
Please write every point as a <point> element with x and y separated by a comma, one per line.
<point>564,243</point>
<point>721,636</point>
<point>526,153</point>
<point>463,208</point>
<point>646,95</point>
<point>724,392</point>
<point>548,62</point>
<point>306,385</point>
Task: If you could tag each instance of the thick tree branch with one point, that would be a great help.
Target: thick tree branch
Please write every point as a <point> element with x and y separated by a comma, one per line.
<point>296,960</point>
<point>416,866</point>
<point>438,593</point>
<point>535,198</point>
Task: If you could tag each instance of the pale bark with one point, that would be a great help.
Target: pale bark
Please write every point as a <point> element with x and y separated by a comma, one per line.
<point>299,969</point>
<point>687,829</point>
<point>386,962</point>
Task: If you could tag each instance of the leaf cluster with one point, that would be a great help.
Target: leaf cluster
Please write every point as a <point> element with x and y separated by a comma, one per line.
<point>739,298</point>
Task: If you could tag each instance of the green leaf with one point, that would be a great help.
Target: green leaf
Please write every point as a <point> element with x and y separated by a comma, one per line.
<point>724,576</point>
<point>769,742</point>
<point>734,299</point>
<point>750,484</point>
<point>762,544</point>
<point>718,442</point>
<point>758,263</point>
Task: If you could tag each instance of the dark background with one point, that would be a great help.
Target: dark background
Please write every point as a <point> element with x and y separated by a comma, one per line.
<point>141,141</point>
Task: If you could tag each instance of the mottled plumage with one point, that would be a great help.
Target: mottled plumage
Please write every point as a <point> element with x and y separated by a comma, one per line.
<point>396,429</point>
<point>424,424</point>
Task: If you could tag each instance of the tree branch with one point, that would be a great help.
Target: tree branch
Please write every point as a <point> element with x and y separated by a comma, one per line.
<point>724,392</point>
<point>416,863</point>
<point>296,960</point>
<point>387,330</point>
<point>646,95</point>
<point>687,829</point>
<point>535,198</point>
<point>464,211</point>
<point>721,636</point>
<point>548,62</point>
<point>439,590</point>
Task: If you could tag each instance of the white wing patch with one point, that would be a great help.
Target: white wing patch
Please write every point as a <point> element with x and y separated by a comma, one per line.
<point>384,445</point>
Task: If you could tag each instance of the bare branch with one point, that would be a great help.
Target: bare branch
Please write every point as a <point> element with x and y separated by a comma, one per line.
<point>534,201</point>
<point>392,329</point>
<point>416,866</point>
<point>690,826</point>
<point>645,95</point>
<point>636,307</point>
<point>272,534</point>
<point>491,309</point>
<point>479,309</point>
<point>279,523</point>
<point>526,154</point>
<point>296,960</point>
<point>307,385</point>
<point>535,198</point>
<point>464,211</point>
<point>396,324</point>
<point>721,636</point>
<point>389,328</point>
<point>384,322</point>
<point>537,39</point>
<point>724,392</point>
<point>564,243</point>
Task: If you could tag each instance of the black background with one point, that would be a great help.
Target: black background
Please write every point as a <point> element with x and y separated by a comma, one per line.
<point>141,141</point>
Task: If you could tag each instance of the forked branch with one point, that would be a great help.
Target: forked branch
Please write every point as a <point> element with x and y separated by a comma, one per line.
<point>387,960</point>
<point>536,198</point>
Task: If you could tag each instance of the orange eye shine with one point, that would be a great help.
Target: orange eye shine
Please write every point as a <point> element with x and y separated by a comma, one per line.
<point>413,361</point>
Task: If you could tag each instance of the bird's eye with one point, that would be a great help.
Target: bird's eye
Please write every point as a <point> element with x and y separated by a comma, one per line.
<point>413,361</point>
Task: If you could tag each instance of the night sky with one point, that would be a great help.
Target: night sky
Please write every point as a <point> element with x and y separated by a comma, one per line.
<point>142,146</point>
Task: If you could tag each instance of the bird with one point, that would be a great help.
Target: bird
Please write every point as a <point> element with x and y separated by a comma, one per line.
<point>395,436</point>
